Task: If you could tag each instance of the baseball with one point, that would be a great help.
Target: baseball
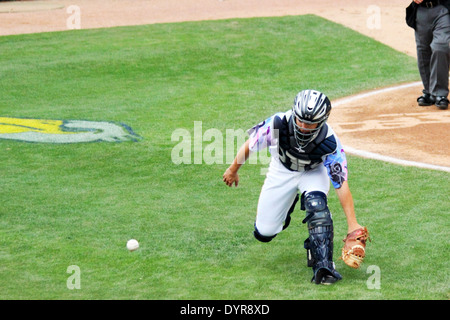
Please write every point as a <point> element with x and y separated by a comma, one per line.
<point>132,245</point>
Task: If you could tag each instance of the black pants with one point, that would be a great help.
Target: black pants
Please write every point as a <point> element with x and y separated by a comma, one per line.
<point>433,53</point>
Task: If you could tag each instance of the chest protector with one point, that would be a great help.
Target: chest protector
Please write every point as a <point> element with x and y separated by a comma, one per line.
<point>304,159</point>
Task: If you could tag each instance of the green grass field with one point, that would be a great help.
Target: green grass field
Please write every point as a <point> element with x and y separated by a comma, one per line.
<point>78,204</point>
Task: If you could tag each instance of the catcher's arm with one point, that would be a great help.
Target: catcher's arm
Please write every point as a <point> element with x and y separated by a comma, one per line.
<point>346,199</point>
<point>353,252</point>
<point>231,176</point>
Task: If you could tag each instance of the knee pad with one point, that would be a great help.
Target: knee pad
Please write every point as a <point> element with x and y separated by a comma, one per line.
<point>262,238</point>
<point>316,207</point>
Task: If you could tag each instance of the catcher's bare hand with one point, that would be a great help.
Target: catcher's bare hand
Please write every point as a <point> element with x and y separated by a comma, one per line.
<point>230,177</point>
<point>354,250</point>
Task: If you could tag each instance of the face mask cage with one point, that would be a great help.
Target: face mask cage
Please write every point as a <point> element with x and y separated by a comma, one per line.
<point>308,135</point>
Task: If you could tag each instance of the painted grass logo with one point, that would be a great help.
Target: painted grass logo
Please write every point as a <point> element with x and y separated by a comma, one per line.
<point>64,131</point>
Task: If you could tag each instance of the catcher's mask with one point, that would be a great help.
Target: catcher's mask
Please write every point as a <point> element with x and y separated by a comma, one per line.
<point>310,107</point>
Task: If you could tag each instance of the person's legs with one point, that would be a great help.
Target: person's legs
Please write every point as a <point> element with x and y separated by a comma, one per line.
<point>440,58</point>
<point>424,36</point>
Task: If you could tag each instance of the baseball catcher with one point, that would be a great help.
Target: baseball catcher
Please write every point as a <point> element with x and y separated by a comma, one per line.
<point>306,155</point>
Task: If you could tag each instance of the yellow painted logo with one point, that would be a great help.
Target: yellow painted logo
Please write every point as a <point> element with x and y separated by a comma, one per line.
<point>64,131</point>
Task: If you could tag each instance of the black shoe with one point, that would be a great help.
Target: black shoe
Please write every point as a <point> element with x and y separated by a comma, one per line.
<point>327,280</point>
<point>425,100</point>
<point>326,276</point>
<point>442,103</point>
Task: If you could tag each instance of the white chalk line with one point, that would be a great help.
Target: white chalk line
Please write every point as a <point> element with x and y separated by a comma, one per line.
<point>376,156</point>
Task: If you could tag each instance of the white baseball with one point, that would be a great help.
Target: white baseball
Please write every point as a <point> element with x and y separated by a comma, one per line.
<point>132,245</point>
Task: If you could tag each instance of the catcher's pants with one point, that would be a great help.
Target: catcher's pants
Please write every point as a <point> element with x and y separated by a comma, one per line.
<point>278,193</point>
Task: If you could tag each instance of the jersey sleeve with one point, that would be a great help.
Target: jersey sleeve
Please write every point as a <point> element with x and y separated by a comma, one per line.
<point>260,135</point>
<point>336,165</point>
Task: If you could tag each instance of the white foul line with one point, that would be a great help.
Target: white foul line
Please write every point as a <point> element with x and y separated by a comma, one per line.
<point>376,156</point>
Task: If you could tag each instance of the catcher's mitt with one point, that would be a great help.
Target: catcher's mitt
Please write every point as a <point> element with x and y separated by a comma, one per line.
<point>354,249</point>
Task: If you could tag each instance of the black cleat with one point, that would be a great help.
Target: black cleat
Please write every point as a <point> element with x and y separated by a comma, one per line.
<point>326,276</point>
<point>327,280</point>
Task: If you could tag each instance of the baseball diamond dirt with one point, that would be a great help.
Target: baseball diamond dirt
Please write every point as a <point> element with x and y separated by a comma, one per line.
<point>386,122</point>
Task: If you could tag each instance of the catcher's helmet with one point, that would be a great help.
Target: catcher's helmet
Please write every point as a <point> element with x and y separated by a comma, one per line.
<point>310,106</point>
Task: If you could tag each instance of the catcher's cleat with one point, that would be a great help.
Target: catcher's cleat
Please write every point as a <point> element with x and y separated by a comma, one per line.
<point>327,280</point>
<point>326,275</point>
<point>354,250</point>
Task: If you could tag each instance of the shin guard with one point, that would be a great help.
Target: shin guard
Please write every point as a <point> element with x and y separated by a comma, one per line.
<point>319,245</point>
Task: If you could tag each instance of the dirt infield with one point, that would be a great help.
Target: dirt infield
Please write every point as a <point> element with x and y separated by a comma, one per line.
<point>388,124</point>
